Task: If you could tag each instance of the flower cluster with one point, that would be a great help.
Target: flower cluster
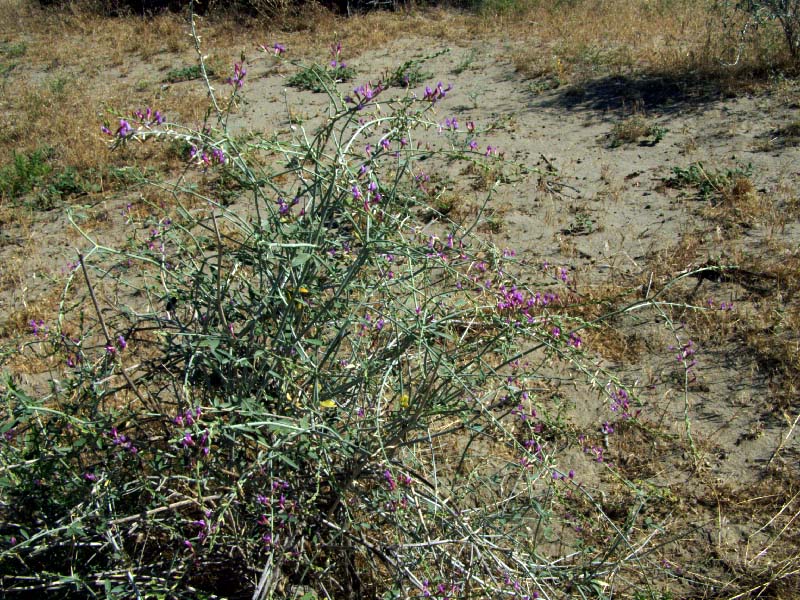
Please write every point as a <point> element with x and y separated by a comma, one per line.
<point>514,301</point>
<point>146,118</point>
<point>38,328</point>
<point>364,94</point>
<point>336,56</point>
<point>441,590</point>
<point>437,93</point>
<point>400,499</point>
<point>285,207</point>
<point>204,528</point>
<point>685,355</point>
<point>196,438</point>
<point>122,441</point>
<point>592,449</point>
<point>574,340</point>
<point>451,123</point>
<point>724,306</point>
<point>282,509</point>
<point>239,73</point>
<point>207,158</point>
<point>187,418</point>
<point>277,49</point>
<point>620,402</point>
<point>121,344</point>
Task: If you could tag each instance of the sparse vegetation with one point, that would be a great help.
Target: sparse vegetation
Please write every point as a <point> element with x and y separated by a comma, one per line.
<point>417,335</point>
<point>186,74</point>
<point>712,184</point>
<point>636,129</point>
<point>24,172</point>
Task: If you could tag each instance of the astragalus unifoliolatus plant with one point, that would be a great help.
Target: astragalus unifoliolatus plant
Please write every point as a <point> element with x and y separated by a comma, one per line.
<point>307,390</point>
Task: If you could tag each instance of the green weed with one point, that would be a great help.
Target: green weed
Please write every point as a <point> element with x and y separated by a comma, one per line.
<point>187,74</point>
<point>709,184</point>
<point>636,129</point>
<point>15,50</point>
<point>318,79</point>
<point>466,62</point>
<point>410,73</point>
<point>24,172</point>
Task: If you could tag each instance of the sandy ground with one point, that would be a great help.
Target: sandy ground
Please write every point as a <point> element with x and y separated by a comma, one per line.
<point>608,216</point>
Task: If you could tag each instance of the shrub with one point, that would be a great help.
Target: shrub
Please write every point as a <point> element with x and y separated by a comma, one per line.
<point>245,8</point>
<point>785,12</point>
<point>309,392</point>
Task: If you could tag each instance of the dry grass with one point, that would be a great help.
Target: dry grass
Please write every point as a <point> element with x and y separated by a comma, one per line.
<point>597,38</point>
<point>64,107</point>
<point>668,39</point>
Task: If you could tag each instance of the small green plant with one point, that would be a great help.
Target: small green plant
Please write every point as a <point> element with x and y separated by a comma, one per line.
<point>186,74</point>
<point>636,129</point>
<point>316,78</point>
<point>15,50</point>
<point>408,74</point>
<point>70,182</point>
<point>709,184</point>
<point>58,84</point>
<point>24,172</point>
<point>466,62</point>
<point>658,133</point>
<point>582,224</point>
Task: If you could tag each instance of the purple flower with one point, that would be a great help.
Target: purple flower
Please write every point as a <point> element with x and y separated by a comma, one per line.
<point>125,129</point>
<point>387,475</point>
<point>278,49</point>
<point>363,94</point>
<point>38,328</point>
<point>239,73</point>
<point>437,93</point>
<point>574,340</point>
<point>122,343</point>
<point>283,206</point>
<point>219,156</point>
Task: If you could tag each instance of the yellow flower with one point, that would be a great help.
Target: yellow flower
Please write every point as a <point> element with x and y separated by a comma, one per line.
<point>404,401</point>
<point>328,404</point>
